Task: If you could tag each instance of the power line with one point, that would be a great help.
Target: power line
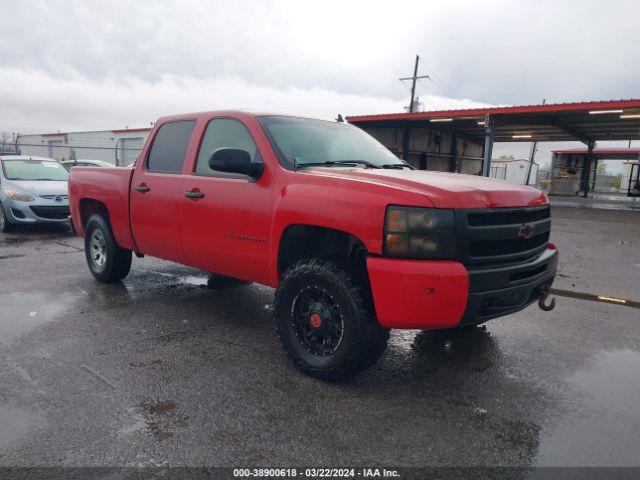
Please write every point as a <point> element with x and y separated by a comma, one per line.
<point>435,79</point>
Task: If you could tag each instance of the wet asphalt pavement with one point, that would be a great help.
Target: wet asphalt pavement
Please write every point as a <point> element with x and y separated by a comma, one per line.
<point>160,370</point>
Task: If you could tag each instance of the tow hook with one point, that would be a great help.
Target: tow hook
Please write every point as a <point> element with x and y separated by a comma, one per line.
<point>544,290</point>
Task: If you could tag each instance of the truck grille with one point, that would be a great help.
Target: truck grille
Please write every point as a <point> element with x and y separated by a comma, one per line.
<point>502,235</point>
<point>503,247</point>
<point>51,212</point>
<point>514,217</point>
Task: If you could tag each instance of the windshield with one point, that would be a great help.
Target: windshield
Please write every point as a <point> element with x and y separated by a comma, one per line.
<point>34,170</point>
<point>300,141</point>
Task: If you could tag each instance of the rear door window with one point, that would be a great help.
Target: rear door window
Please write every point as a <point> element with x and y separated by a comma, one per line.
<point>170,146</point>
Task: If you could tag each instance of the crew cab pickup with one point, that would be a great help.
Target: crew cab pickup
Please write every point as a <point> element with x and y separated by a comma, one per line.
<point>354,240</point>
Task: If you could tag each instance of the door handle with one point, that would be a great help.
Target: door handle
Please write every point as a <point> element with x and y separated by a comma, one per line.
<point>194,194</point>
<point>141,188</point>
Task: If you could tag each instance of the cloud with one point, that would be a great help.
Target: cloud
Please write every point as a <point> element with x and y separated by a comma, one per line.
<point>496,51</point>
<point>37,101</point>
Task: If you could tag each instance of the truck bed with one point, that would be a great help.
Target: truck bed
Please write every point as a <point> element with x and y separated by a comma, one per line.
<point>102,188</point>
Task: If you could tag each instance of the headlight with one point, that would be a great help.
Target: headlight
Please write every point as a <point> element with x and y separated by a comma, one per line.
<point>21,197</point>
<point>413,232</point>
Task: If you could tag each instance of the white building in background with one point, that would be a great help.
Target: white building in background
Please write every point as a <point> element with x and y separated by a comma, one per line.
<point>514,170</point>
<point>119,147</point>
<point>626,174</point>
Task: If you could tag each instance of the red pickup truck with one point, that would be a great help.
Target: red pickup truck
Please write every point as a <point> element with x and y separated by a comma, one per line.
<point>354,240</point>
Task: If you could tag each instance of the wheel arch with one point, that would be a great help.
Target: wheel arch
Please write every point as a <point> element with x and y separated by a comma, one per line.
<point>90,207</point>
<point>302,241</point>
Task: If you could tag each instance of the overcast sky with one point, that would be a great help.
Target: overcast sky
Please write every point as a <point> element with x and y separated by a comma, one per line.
<point>68,65</point>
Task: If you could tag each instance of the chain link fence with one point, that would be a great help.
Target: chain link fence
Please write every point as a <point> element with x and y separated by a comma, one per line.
<point>119,155</point>
<point>607,183</point>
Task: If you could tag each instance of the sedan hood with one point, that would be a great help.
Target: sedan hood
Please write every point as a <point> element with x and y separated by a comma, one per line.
<point>444,189</point>
<point>40,187</point>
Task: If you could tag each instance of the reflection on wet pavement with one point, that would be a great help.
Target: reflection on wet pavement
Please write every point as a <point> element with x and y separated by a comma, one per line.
<point>14,424</point>
<point>604,427</point>
<point>23,311</point>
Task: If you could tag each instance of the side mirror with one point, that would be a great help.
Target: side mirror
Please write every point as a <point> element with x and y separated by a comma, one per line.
<point>234,160</point>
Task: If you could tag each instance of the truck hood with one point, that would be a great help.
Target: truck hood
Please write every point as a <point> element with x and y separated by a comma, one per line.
<point>444,189</point>
<point>39,187</point>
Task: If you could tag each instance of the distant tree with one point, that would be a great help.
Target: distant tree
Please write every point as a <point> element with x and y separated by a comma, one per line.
<point>617,181</point>
<point>602,168</point>
<point>506,157</point>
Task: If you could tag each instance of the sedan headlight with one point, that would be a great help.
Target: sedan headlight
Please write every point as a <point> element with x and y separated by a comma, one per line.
<point>14,195</point>
<point>413,232</point>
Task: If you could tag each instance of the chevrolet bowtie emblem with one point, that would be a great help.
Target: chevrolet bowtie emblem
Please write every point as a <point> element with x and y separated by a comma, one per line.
<point>526,230</point>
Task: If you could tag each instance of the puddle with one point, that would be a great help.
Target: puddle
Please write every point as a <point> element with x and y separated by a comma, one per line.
<point>23,311</point>
<point>193,280</point>
<point>187,279</point>
<point>14,424</point>
<point>603,426</point>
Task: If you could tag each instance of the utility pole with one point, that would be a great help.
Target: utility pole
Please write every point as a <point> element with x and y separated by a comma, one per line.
<point>413,82</point>
<point>532,155</point>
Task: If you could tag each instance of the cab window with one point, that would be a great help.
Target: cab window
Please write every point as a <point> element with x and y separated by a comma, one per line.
<point>224,133</point>
<point>170,146</point>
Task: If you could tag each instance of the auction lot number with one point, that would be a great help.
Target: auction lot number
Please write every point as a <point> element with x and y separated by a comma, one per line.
<point>313,472</point>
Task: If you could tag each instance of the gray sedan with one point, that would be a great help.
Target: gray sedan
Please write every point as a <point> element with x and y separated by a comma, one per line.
<point>32,190</point>
<point>84,163</point>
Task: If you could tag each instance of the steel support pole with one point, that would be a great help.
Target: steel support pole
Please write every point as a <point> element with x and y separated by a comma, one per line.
<point>406,134</point>
<point>453,161</point>
<point>586,169</point>
<point>488,145</point>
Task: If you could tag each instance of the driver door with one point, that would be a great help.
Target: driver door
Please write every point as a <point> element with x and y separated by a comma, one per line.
<point>226,217</point>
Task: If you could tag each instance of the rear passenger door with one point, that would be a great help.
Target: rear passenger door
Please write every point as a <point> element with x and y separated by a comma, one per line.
<point>156,192</point>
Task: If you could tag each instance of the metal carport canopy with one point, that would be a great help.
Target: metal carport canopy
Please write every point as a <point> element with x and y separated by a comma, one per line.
<point>604,153</point>
<point>583,121</point>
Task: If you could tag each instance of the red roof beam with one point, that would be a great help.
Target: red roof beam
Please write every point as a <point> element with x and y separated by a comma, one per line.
<point>584,107</point>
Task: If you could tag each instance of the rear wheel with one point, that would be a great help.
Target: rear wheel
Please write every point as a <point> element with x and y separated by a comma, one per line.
<point>5,225</point>
<point>107,261</point>
<point>326,321</point>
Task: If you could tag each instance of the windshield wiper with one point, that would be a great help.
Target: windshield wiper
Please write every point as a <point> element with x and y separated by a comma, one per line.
<point>397,166</point>
<point>329,163</point>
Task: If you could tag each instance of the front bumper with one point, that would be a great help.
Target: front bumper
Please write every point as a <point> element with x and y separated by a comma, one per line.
<point>434,294</point>
<point>39,211</point>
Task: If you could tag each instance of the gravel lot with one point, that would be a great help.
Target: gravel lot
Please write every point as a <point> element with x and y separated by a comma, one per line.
<point>160,370</point>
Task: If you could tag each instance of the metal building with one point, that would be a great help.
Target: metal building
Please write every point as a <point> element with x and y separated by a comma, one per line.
<point>514,170</point>
<point>119,147</point>
<point>462,140</point>
<point>568,168</point>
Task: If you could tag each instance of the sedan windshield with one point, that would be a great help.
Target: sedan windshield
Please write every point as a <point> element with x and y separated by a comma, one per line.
<point>300,141</point>
<point>34,170</point>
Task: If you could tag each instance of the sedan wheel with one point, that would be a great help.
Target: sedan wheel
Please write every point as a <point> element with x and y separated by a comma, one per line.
<point>5,225</point>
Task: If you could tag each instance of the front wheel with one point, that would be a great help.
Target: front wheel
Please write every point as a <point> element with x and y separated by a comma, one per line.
<point>107,261</point>
<point>326,321</point>
<point>5,225</point>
